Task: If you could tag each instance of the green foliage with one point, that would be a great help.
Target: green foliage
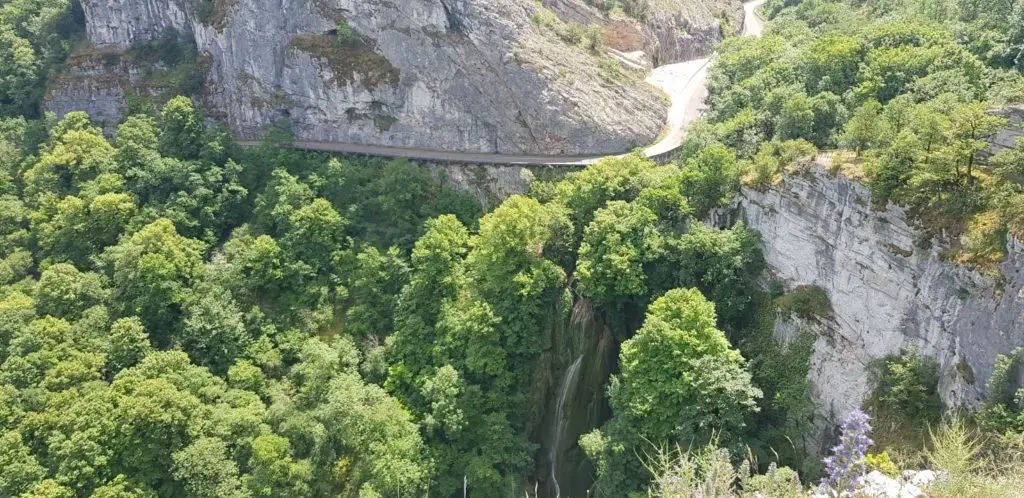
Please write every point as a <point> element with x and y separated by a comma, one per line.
<point>615,247</point>
<point>722,264</point>
<point>154,343</point>
<point>906,89</point>
<point>215,12</point>
<point>710,178</point>
<point>710,472</point>
<point>36,37</point>
<point>974,465</point>
<point>681,383</point>
<point>906,386</point>
<point>905,401</point>
<point>181,129</point>
<point>1004,408</point>
<point>779,431</point>
<point>806,302</point>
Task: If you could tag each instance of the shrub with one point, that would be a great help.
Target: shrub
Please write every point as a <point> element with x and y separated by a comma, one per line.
<point>593,39</point>
<point>882,463</point>
<point>637,9</point>
<point>807,302</point>
<point>906,387</point>
<point>609,69</point>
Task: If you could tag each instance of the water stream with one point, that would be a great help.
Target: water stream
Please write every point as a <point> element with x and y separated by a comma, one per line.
<point>560,422</point>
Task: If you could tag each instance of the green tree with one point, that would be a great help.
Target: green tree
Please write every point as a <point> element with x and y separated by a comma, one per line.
<point>797,119</point>
<point>274,471</point>
<point>722,264</point>
<point>205,470</point>
<point>865,129</point>
<point>65,292</point>
<point>676,359</point>
<point>122,487</point>
<point>213,332</point>
<point>181,129</point>
<point>710,179</point>
<point>832,63</point>
<point>435,261</point>
<point>892,169</point>
<point>21,469</point>
<point>969,126</point>
<point>681,383</point>
<point>374,281</point>
<point>128,344</point>
<point>151,272</point>
<point>615,248</point>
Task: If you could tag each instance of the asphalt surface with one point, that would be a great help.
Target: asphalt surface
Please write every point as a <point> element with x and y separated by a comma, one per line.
<point>685,83</point>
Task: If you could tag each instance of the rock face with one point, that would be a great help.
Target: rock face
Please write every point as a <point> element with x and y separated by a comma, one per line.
<point>887,293</point>
<point>462,75</point>
<point>102,82</point>
<point>1008,136</point>
<point>670,32</point>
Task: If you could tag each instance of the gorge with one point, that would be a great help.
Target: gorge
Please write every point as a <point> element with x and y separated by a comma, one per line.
<point>541,248</point>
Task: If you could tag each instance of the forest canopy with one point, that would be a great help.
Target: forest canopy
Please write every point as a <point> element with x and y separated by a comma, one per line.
<point>182,316</point>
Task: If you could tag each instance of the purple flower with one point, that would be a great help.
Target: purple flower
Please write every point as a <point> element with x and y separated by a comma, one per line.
<point>845,467</point>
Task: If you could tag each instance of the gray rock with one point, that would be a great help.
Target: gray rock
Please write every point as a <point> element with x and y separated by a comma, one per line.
<point>671,32</point>
<point>921,478</point>
<point>886,292</point>
<point>1008,136</point>
<point>99,84</point>
<point>878,485</point>
<point>460,75</point>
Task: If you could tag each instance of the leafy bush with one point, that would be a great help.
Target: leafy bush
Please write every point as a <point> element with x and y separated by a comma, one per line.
<point>36,37</point>
<point>906,387</point>
<point>882,463</point>
<point>807,302</point>
<point>593,39</point>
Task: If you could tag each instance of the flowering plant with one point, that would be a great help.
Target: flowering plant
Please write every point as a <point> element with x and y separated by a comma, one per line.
<point>845,467</point>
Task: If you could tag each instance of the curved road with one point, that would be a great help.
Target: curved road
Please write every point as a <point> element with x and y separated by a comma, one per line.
<point>684,82</point>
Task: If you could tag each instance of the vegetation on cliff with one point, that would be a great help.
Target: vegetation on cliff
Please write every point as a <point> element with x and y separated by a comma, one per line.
<point>183,317</point>
<point>907,89</point>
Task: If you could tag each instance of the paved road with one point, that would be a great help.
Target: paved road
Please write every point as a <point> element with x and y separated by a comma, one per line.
<point>686,85</point>
<point>684,82</point>
<point>752,24</point>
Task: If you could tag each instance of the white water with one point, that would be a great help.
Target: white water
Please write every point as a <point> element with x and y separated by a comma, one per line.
<point>560,423</point>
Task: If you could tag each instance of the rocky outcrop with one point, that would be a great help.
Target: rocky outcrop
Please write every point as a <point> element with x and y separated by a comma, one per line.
<point>461,75</point>
<point>96,86</point>
<point>1008,136</point>
<point>669,32</point>
<point>887,292</point>
<point>491,184</point>
<point>105,82</point>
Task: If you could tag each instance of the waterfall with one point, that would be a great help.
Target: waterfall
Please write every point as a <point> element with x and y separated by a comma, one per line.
<point>560,422</point>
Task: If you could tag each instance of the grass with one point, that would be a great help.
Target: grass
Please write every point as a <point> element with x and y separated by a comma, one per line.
<point>351,61</point>
<point>974,469</point>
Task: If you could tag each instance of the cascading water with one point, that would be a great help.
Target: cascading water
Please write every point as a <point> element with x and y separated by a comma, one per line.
<point>560,421</point>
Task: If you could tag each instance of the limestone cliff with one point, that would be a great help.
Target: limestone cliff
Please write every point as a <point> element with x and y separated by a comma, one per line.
<point>441,74</point>
<point>667,32</point>
<point>887,292</point>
